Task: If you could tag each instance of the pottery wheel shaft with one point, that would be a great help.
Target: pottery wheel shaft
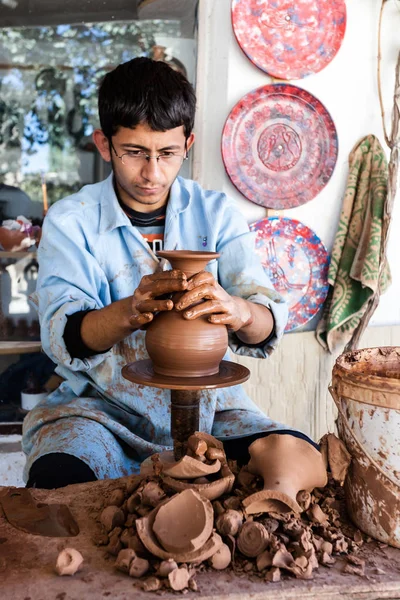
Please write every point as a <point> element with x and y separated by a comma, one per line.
<point>185,407</point>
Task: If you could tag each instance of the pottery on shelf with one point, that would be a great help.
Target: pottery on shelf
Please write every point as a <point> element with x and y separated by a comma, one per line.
<point>179,347</point>
<point>287,465</point>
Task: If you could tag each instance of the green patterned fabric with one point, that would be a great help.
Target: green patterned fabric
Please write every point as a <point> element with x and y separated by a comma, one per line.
<point>354,269</point>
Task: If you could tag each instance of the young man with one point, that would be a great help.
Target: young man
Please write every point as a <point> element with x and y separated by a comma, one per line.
<point>100,282</point>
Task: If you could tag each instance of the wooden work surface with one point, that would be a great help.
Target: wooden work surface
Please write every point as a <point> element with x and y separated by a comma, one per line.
<point>27,565</point>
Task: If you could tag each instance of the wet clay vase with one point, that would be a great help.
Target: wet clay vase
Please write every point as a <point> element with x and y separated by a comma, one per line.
<point>287,465</point>
<point>179,347</point>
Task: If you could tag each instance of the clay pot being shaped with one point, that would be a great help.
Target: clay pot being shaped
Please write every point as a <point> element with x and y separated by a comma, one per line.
<point>287,465</point>
<point>179,347</point>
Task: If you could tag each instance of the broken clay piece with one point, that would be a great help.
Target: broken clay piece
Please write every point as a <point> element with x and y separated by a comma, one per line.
<point>185,468</point>
<point>210,490</point>
<point>69,562</point>
<point>50,520</point>
<point>184,523</point>
<point>144,528</point>
<point>336,456</point>
<point>287,465</point>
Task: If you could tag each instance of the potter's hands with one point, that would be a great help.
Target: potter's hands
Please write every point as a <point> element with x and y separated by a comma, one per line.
<point>147,300</point>
<point>220,307</point>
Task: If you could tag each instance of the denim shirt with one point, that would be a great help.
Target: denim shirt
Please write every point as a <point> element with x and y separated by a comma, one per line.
<point>90,256</point>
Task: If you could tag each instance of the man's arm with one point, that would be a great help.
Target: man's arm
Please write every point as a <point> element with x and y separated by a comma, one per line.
<point>259,325</point>
<point>103,328</point>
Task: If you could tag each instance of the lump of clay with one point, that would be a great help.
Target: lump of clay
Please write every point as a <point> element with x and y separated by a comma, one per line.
<point>253,539</point>
<point>197,445</point>
<point>139,567</point>
<point>69,561</point>
<point>221,559</point>
<point>287,465</point>
<point>179,579</point>
<point>184,523</point>
<point>124,559</point>
<point>229,522</point>
<point>166,567</point>
<point>151,584</point>
<point>117,498</point>
<point>112,517</point>
<point>152,494</point>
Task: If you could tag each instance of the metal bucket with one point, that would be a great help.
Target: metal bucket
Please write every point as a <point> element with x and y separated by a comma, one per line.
<point>366,390</point>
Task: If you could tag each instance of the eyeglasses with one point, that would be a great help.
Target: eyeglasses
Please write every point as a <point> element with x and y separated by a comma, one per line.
<point>133,158</point>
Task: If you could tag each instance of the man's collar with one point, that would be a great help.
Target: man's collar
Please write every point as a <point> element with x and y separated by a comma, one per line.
<point>112,215</point>
<point>179,197</point>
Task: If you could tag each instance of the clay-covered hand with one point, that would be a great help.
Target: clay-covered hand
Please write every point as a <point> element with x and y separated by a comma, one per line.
<point>147,298</point>
<point>218,304</point>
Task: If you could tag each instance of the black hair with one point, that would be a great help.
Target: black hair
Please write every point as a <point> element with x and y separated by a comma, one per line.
<point>146,91</point>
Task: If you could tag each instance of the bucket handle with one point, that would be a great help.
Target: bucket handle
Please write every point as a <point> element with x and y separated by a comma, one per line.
<point>357,441</point>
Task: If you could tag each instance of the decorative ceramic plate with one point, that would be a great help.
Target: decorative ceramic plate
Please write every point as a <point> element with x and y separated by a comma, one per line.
<point>279,146</point>
<point>297,263</point>
<point>288,39</point>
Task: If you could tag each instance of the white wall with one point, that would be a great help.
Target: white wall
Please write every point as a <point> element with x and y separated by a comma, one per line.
<point>348,89</point>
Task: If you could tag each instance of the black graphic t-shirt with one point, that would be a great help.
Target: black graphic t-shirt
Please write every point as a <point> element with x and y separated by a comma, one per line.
<point>150,225</point>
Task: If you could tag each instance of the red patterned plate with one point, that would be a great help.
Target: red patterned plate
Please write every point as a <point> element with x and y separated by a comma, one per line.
<point>287,39</point>
<point>279,146</point>
<point>297,264</point>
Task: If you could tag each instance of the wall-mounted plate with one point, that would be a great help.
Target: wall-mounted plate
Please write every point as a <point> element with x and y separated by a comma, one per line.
<point>279,146</point>
<point>297,263</point>
<point>287,39</point>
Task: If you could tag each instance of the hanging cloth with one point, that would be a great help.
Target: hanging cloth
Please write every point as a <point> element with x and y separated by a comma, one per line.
<point>355,262</point>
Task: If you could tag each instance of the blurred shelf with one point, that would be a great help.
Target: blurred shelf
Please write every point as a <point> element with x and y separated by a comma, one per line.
<point>20,347</point>
<point>19,254</point>
<point>10,428</point>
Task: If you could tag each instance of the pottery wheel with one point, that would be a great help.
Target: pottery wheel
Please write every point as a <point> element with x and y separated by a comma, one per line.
<point>229,374</point>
